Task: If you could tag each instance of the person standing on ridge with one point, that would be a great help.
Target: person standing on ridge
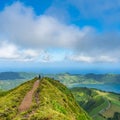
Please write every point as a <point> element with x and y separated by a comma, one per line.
<point>39,77</point>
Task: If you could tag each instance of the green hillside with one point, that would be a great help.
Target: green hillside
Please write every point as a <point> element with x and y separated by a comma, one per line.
<point>100,105</point>
<point>9,101</point>
<point>90,78</point>
<point>51,101</point>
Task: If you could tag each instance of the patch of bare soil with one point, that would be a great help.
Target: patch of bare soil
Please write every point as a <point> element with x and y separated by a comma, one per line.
<point>27,101</point>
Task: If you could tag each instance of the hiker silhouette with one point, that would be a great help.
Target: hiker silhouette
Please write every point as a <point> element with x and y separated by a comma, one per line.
<point>39,77</point>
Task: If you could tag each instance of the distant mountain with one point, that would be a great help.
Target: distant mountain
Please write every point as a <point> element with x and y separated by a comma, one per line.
<point>50,101</point>
<point>66,78</point>
<point>105,78</point>
<point>16,75</point>
<point>90,78</point>
<point>10,76</point>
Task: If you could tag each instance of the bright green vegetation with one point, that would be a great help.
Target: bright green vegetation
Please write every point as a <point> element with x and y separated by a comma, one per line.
<point>100,105</point>
<point>2,93</point>
<point>10,100</point>
<point>51,101</point>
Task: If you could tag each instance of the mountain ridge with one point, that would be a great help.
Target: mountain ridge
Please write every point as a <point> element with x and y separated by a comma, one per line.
<point>51,101</point>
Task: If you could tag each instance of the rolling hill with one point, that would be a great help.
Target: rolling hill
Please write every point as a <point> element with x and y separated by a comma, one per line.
<point>51,100</point>
<point>90,78</point>
<point>16,75</point>
<point>99,104</point>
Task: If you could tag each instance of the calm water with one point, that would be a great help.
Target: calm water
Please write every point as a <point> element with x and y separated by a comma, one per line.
<point>105,87</point>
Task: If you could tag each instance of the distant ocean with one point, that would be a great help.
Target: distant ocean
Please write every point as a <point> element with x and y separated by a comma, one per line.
<point>105,87</point>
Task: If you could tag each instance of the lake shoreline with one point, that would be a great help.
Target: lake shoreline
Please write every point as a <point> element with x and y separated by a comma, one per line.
<point>112,88</point>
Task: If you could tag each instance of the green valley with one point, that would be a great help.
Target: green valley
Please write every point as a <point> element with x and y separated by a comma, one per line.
<point>99,104</point>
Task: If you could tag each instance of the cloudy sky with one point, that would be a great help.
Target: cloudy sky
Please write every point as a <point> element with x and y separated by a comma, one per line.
<point>60,35</point>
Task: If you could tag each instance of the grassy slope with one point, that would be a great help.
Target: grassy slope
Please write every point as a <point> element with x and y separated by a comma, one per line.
<point>51,101</point>
<point>115,103</point>
<point>57,103</point>
<point>9,101</point>
<point>95,102</point>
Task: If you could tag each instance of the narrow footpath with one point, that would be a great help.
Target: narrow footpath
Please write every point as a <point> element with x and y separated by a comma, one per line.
<point>27,101</point>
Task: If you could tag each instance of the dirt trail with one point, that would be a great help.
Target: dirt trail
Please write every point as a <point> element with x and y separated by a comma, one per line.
<point>27,101</point>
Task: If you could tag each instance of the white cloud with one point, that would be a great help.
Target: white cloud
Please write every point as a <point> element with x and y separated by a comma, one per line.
<point>107,59</point>
<point>29,36</point>
<point>21,26</point>
<point>92,59</point>
<point>80,58</point>
<point>8,51</point>
<point>12,52</point>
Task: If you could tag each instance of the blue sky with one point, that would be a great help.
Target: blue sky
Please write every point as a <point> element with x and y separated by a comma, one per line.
<point>74,36</point>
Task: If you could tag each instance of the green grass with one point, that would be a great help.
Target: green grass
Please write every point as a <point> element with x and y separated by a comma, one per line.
<point>56,102</point>
<point>98,117</point>
<point>10,100</point>
<point>100,105</point>
<point>3,93</point>
<point>98,108</point>
<point>51,101</point>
